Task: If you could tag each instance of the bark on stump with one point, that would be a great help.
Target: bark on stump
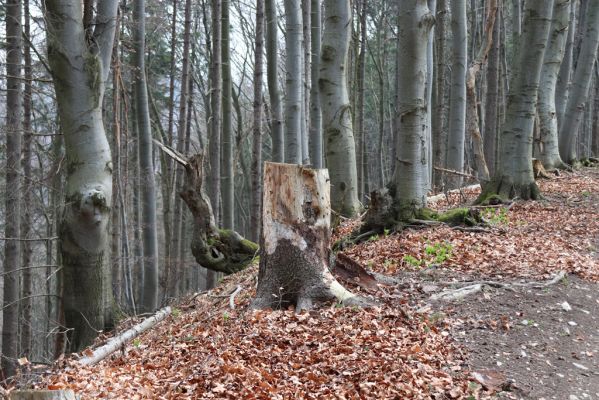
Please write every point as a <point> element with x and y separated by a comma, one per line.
<point>43,395</point>
<point>294,245</point>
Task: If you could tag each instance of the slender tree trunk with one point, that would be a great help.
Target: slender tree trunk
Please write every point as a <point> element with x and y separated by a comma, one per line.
<point>457,110</point>
<point>272,67</point>
<point>316,152</point>
<point>293,95</point>
<point>439,125</point>
<point>215,110</point>
<point>514,176</point>
<point>361,75</point>
<point>492,97</point>
<point>430,60</point>
<point>306,82</point>
<point>336,114</point>
<point>146,165</point>
<point>12,210</point>
<point>80,68</point>
<point>580,84</point>
<point>546,107</point>
<point>256,172</point>
<point>228,179</point>
<point>415,23</point>
<point>595,127</point>
<point>564,77</point>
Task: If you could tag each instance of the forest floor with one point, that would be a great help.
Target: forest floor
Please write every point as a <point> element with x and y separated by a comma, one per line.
<point>523,335</point>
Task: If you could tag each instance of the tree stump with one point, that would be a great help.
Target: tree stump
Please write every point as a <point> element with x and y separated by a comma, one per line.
<point>294,244</point>
<point>43,395</point>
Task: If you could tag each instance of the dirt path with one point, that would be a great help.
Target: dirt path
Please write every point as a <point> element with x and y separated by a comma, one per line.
<point>544,342</point>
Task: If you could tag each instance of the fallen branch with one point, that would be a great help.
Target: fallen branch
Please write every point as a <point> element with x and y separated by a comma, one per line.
<point>117,342</point>
<point>232,297</point>
<point>477,286</point>
<point>451,171</point>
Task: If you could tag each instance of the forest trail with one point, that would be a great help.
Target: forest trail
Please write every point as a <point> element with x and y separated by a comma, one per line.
<point>502,342</point>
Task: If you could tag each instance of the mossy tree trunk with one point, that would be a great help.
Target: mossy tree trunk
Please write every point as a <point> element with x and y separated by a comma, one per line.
<point>79,57</point>
<point>514,175</point>
<point>294,256</point>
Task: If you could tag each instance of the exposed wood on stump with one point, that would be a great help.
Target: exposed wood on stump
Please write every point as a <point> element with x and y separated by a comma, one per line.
<point>538,169</point>
<point>295,254</point>
<point>216,249</point>
<point>43,395</point>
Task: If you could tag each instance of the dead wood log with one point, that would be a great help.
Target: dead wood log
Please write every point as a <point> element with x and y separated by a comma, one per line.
<point>66,394</point>
<point>294,244</point>
<point>117,342</point>
<point>221,250</point>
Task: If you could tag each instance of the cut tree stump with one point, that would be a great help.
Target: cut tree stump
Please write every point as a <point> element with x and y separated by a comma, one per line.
<point>294,245</point>
<point>43,395</point>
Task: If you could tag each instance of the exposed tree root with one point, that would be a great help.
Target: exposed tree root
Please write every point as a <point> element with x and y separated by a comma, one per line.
<point>475,287</point>
<point>500,189</point>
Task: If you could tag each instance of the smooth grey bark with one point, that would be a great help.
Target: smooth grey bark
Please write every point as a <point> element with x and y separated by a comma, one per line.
<point>316,153</point>
<point>360,78</point>
<point>492,100</point>
<point>595,126</point>
<point>546,108</point>
<point>146,164</point>
<point>215,111</point>
<point>564,76</point>
<point>228,179</point>
<point>306,81</point>
<point>80,69</point>
<point>430,60</point>
<point>272,67</point>
<point>256,172</point>
<point>340,148</point>
<point>415,23</point>
<point>580,85</point>
<point>12,208</point>
<point>293,80</point>
<point>514,176</point>
<point>439,142</point>
<point>457,107</point>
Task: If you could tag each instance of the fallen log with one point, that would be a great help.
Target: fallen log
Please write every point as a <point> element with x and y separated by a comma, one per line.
<point>117,342</point>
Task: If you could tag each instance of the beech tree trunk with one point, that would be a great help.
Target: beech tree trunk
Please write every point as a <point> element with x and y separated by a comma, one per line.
<point>215,109</point>
<point>293,79</point>
<point>272,67</point>
<point>514,176</point>
<point>294,245</point>
<point>340,147</point>
<point>549,155</point>
<point>492,98</point>
<point>565,70</point>
<point>79,68</point>
<point>146,165</point>
<point>316,154</point>
<point>580,85</point>
<point>440,98</point>
<point>228,179</point>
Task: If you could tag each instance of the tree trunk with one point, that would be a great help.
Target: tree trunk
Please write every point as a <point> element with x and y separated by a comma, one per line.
<point>595,127</point>
<point>549,155</point>
<point>409,193</point>
<point>80,68</point>
<point>580,85</point>
<point>272,67</point>
<point>228,179</point>
<point>457,109</point>
<point>293,95</point>
<point>564,76</point>
<point>336,113</point>
<point>215,110</point>
<point>440,98</point>
<point>256,190</point>
<point>361,76</point>
<point>316,153</point>
<point>12,213</point>
<point>42,395</point>
<point>146,165</point>
<point>492,99</point>
<point>514,176</point>
<point>294,250</point>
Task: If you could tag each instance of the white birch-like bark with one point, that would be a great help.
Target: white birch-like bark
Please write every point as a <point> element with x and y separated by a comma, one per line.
<point>546,108</point>
<point>457,108</point>
<point>146,165</point>
<point>415,23</point>
<point>340,148</point>
<point>293,79</point>
<point>514,176</point>
<point>581,83</point>
<point>80,69</point>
